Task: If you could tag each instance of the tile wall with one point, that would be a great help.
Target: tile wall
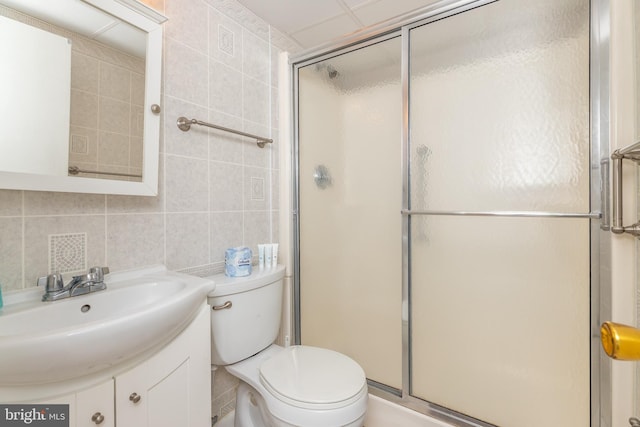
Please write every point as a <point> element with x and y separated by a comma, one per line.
<point>215,190</point>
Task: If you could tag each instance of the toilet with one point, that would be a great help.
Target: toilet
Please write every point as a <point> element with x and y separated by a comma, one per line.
<point>299,386</point>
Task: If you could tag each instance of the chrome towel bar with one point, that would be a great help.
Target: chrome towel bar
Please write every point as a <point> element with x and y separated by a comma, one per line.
<point>74,170</point>
<point>522,214</point>
<point>184,124</point>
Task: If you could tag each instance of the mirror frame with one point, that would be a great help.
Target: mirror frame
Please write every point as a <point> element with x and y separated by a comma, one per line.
<point>147,19</point>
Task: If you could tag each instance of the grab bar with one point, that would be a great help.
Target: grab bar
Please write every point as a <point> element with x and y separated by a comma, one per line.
<point>74,170</point>
<point>184,125</point>
<point>632,152</point>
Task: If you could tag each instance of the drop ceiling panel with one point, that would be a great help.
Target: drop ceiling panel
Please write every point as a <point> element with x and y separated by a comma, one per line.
<point>374,12</point>
<point>293,15</point>
<point>314,22</point>
<point>325,31</point>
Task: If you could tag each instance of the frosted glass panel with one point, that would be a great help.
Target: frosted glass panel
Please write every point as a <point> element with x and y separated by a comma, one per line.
<point>350,226</point>
<point>499,108</point>
<point>500,318</point>
<point>499,119</point>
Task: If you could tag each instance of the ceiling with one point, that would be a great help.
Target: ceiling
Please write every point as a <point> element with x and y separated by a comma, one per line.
<point>82,18</point>
<point>313,22</point>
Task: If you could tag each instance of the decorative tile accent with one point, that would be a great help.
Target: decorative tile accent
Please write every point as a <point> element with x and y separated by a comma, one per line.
<point>67,252</point>
<point>257,188</point>
<point>79,144</point>
<point>225,40</point>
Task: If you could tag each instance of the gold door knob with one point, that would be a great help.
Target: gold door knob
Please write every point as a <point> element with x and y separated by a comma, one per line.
<point>620,341</point>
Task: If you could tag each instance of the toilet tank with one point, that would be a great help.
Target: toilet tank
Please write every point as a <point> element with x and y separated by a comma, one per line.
<point>245,314</point>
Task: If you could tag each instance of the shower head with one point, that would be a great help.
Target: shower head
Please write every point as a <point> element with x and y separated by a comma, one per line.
<point>332,72</point>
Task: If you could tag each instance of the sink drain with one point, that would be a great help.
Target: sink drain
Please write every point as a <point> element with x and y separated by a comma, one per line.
<point>85,308</point>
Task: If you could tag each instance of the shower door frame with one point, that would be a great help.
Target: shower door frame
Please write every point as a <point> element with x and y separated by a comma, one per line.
<point>600,246</point>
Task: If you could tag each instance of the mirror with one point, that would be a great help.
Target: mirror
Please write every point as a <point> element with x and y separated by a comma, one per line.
<point>80,84</point>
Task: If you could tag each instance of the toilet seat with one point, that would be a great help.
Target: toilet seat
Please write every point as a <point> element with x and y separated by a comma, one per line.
<point>313,378</point>
<point>295,412</point>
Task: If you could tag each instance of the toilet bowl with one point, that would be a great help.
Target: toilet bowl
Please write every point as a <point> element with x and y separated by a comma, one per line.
<point>279,386</point>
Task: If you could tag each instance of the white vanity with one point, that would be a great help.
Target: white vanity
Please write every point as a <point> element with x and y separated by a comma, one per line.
<point>135,354</point>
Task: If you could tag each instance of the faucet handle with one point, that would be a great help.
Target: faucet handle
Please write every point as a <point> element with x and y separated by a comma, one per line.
<point>52,282</point>
<point>98,273</point>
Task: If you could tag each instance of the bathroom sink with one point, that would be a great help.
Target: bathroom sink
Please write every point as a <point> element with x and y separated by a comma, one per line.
<point>141,310</point>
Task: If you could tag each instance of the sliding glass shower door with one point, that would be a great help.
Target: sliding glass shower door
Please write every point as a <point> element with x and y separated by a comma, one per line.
<point>444,211</point>
<point>350,190</point>
<point>500,125</point>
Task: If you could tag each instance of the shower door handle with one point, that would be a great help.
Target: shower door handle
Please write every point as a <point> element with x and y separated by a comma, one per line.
<point>632,152</point>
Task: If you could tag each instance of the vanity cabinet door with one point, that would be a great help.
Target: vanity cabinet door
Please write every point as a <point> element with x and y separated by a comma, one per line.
<point>172,388</point>
<point>95,407</point>
<point>88,408</point>
<point>143,399</point>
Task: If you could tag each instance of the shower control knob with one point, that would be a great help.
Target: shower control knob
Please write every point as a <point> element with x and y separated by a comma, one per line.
<point>322,177</point>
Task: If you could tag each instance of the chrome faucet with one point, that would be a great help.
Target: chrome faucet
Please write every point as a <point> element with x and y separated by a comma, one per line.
<point>79,285</point>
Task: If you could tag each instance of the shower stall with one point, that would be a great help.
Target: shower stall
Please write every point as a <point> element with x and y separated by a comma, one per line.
<point>447,209</point>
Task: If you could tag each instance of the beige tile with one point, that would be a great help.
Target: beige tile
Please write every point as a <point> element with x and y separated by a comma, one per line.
<point>256,58</point>
<point>275,149</point>
<point>84,109</point>
<point>187,186</point>
<point>255,101</point>
<point>187,240</point>
<point>253,154</point>
<point>113,149</point>
<point>275,189</point>
<point>188,23</point>
<point>225,40</point>
<point>186,71</point>
<point>275,108</point>
<point>134,240</point>
<point>225,89</point>
<point>137,204</point>
<point>227,188</point>
<point>257,189</point>
<point>114,116</point>
<point>11,253</point>
<point>50,203</point>
<point>226,232</point>
<point>10,202</point>
<point>257,229</point>
<point>275,229</point>
<point>83,145</point>
<point>236,11</point>
<point>115,82</point>
<point>275,64</point>
<point>193,143</point>
<point>38,229</point>
<point>223,382</point>
<point>225,146</point>
<point>85,73</point>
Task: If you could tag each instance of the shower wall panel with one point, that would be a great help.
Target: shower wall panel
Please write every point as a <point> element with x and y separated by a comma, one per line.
<point>350,230</point>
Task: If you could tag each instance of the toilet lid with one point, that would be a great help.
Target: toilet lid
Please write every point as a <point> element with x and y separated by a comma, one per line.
<point>309,375</point>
